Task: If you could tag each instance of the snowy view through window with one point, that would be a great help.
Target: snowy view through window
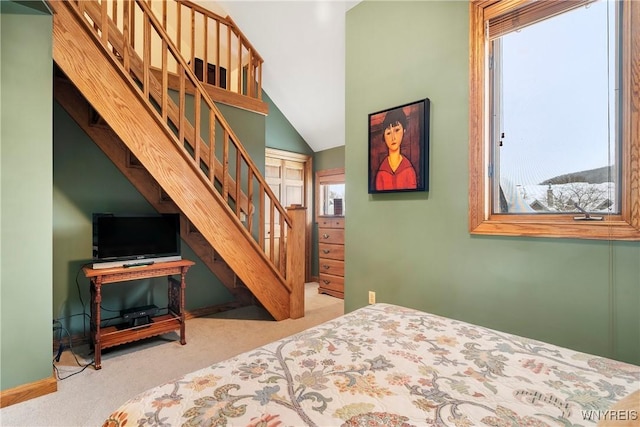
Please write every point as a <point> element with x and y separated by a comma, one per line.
<point>555,121</point>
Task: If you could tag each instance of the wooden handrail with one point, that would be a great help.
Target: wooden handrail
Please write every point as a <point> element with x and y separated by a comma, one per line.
<point>137,40</point>
<point>170,111</point>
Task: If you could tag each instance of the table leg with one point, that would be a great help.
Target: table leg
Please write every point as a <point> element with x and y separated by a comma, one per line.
<point>96,298</point>
<point>183,286</point>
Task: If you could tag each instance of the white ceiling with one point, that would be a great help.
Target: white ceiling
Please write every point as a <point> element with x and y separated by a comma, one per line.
<point>303,47</point>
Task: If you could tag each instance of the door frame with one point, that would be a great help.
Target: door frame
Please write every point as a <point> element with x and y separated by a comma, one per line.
<point>308,197</point>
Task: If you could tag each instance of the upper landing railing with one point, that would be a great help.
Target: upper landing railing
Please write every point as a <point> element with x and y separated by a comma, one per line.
<point>231,61</point>
<point>215,49</point>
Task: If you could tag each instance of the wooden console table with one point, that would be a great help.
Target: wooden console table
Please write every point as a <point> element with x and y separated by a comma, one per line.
<point>115,335</point>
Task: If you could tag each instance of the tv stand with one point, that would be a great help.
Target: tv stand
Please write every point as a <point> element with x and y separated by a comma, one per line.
<point>110,336</point>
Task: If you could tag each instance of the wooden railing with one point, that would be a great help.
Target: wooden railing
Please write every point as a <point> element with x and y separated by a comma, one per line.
<point>214,46</point>
<point>137,41</point>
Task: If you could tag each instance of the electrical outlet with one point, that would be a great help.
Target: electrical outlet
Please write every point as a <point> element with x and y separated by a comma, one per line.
<point>372,297</point>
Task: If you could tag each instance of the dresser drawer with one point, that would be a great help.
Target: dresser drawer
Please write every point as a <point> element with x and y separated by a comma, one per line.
<point>331,266</point>
<point>334,283</point>
<point>328,222</point>
<point>327,250</point>
<point>331,235</point>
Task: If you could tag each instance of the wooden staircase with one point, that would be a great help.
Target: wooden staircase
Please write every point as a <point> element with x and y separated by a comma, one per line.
<point>70,98</point>
<point>182,155</point>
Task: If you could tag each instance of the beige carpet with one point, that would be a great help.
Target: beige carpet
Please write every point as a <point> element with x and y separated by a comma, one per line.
<point>88,397</point>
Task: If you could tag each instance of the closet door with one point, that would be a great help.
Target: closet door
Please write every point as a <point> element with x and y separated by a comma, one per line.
<point>288,175</point>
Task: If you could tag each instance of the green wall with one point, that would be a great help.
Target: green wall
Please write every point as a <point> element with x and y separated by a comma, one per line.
<point>330,159</point>
<point>250,129</point>
<point>280,134</point>
<point>414,249</point>
<point>25,189</point>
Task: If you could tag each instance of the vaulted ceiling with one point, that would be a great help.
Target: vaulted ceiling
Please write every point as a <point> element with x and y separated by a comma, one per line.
<point>303,47</point>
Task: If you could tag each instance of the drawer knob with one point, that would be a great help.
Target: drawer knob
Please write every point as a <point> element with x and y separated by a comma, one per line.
<point>326,267</point>
<point>326,251</point>
<point>325,235</point>
<point>326,282</point>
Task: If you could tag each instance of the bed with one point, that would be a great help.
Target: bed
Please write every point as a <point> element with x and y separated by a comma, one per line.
<point>386,365</point>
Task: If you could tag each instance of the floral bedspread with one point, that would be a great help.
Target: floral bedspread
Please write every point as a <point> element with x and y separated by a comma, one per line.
<point>385,365</point>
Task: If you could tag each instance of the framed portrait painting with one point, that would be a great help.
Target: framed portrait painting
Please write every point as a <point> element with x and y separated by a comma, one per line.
<point>399,148</point>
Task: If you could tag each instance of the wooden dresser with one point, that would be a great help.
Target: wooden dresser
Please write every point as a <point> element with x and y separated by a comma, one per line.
<point>331,255</point>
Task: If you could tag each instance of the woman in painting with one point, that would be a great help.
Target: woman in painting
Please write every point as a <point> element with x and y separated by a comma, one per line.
<point>396,171</point>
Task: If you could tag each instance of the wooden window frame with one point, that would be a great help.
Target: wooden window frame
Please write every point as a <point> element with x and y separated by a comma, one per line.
<point>623,226</point>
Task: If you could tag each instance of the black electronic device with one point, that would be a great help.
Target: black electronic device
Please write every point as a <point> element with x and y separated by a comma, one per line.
<point>122,240</point>
<point>133,313</point>
<point>139,316</point>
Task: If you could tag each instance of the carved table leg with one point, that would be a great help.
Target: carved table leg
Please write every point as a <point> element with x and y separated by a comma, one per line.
<point>183,285</point>
<point>96,299</point>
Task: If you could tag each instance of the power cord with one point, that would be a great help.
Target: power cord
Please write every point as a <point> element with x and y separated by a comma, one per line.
<point>56,358</point>
<point>61,346</point>
<point>60,328</point>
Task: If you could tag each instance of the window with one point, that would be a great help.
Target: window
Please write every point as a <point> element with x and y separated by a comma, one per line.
<point>330,192</point>
<point>554,140</point>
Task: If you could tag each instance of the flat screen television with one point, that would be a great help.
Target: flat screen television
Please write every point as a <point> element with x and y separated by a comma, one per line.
<point>121,240</point>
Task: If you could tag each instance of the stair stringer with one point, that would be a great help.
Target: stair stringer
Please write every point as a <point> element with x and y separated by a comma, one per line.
<point>116,98</point>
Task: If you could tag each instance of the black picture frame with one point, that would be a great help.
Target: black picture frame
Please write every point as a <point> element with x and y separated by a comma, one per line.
<point>388,172</point>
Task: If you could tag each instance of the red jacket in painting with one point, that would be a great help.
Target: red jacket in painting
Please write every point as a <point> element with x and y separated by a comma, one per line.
<point>404,178</point>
